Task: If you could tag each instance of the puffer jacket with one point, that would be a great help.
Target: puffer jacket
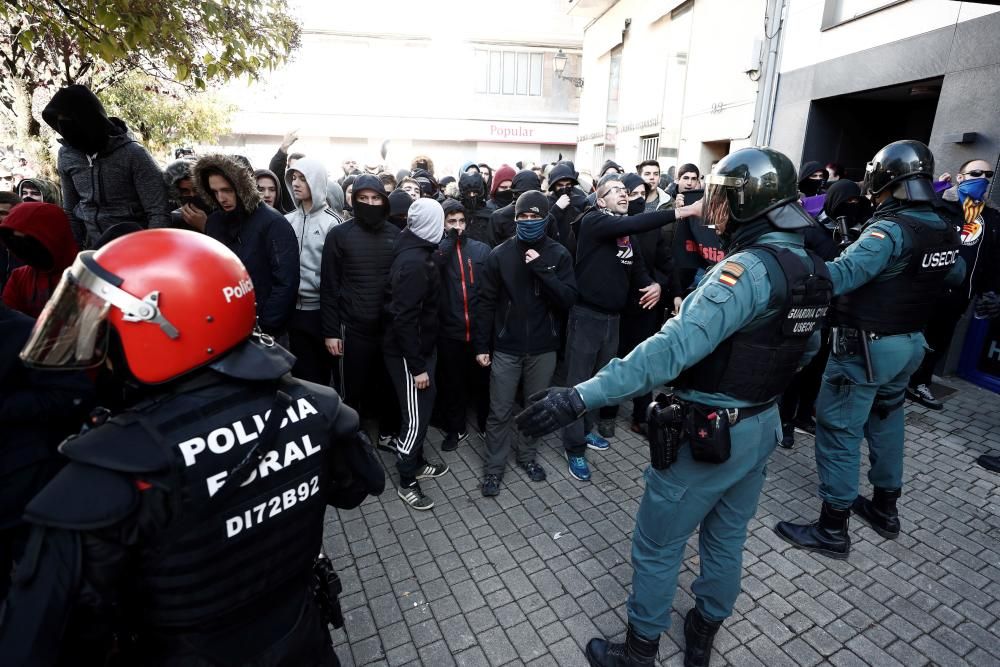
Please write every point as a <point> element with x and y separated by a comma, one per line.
<point>311,228</point>
<point>354,271</point>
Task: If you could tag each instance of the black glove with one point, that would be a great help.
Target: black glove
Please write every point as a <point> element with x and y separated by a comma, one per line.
<point>549,410</point>
<point>452,233</point>
<point>988,306</point>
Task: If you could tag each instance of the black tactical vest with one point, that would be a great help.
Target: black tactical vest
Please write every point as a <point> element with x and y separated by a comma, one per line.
<point>220,560</point>
<point>756,364</point>
<point>905,302</point>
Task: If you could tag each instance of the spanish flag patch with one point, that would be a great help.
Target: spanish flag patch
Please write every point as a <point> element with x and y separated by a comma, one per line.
<point>877,234</point>
<point>731,272</point>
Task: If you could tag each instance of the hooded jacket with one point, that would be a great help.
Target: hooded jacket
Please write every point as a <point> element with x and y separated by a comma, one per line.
<point>277,165</point>
<point>278,185</point>
<point>504,173</point>
<point>174,173</point>
<point>502,219</point>
<point>50,193</point>
<point>807,169</point>
<point>608,164</point>
<point>477,216</point>
<point>116,182</point>
<point>311,228</point>
<point>414,288</point>
<point>260,237</point>
<point>355,267</point>
<point>460,259</point>
<point>564,218</point>
<point>399,205</point>
<point>422,162</point>
<point>47,251</point>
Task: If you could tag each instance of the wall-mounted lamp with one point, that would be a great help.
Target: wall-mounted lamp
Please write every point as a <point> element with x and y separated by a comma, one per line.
<point>559,65</point>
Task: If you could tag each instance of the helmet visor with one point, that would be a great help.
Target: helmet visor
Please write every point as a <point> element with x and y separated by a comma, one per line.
<point>715,210</point>
<point>72,331</point>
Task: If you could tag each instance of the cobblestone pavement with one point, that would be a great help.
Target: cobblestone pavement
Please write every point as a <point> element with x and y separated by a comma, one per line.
<point>530,576</point>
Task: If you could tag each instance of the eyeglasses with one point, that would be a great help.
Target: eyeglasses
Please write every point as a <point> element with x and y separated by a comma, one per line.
<point>978,173</point>
<point>614,190</point>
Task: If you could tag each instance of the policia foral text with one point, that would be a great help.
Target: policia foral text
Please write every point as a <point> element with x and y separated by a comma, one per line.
<point>729,353</point>
<point>184,530</point>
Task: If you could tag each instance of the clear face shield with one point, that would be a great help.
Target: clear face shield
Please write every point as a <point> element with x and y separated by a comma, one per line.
<point>72,331</point>
<point>716,211</point>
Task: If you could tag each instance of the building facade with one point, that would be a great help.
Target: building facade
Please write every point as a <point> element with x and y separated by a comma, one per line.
<point>669,80</point>
<point>456,81</point>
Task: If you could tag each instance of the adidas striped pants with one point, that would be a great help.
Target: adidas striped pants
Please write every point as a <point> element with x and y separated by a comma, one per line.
<point>415,407</point>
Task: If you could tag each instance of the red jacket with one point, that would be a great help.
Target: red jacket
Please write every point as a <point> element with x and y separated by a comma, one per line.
<point>47,248</point>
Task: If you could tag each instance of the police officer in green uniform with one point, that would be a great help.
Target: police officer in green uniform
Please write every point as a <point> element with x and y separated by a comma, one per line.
<point>888,282</point>
<point>731,350</point>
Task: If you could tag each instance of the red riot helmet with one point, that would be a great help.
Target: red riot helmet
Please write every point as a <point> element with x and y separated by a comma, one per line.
<point>176,299</point>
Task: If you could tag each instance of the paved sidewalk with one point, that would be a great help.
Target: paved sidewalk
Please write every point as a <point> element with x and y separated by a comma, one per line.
<point>530,576</point>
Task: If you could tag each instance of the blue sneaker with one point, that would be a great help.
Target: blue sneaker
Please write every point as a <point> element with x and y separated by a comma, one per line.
<point>578,467</point>
<point>595,441</point>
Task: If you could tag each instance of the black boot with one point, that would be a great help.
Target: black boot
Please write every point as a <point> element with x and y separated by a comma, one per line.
<point>828,536</point>
<point>880,512</point>
<point>699,633</point>
<point>635,652</point>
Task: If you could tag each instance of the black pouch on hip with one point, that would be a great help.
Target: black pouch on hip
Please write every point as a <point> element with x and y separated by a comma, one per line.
<point>708,432</point>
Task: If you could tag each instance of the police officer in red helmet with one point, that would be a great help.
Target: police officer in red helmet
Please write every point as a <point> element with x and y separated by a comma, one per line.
<point>184,530</point>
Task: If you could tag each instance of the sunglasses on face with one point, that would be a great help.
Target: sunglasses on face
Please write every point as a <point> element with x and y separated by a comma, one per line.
<point>978,173</point>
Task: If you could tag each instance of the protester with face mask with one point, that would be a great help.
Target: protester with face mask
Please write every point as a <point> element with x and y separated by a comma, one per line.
<point>979,231</point>
<point>39,190</point>
<point>566,202</point>
<point>106,176</point>
<point>39,235</point>
<point>502,220</point>
<point>500,192</point>
<point>189,211</point>
<point>472,194</point>
<point>355,267</point>
<point>399,204</point>
<point>527,286</point>
<point>812,179</point>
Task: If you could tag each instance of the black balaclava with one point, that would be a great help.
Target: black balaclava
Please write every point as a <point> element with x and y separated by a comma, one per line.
<point>84,124</point>
<point>370,216</point>
<point>503,198</point>
<point>808,186</point>
<point>471,187</point>
<point>631,181</point>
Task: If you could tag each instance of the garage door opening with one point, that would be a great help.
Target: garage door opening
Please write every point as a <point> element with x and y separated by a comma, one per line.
<point>849,129</point>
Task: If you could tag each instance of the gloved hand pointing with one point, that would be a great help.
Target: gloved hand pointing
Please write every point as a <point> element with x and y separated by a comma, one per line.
<point>549,410</point>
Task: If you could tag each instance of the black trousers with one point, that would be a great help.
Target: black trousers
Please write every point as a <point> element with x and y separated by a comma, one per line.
<point>634,328</point>
<point>364,382</point>
<point>305,340</point>
<point>799,399</point>
<point>461,381</point>
<point>939,332</point>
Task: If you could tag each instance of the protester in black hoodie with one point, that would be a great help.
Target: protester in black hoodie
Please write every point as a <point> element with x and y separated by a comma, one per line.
<point>106,177</point>
<point>472,193</point>
<point>411,326</point>
<point>812,179</point>
<point>502,220</point>
<point>566,203</point>
<point>356,259</point>
<point>399,203</point>
<point>527,286</point>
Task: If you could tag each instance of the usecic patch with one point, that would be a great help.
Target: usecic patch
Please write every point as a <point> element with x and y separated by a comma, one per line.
<point>731,272</point>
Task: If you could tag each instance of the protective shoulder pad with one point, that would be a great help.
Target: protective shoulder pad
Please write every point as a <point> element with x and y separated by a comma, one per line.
<point>83,497</point>
<point>341,417</point>
<point>122,444</point>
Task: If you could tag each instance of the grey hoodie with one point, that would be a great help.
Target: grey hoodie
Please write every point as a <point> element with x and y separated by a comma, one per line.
<point>311,228</point>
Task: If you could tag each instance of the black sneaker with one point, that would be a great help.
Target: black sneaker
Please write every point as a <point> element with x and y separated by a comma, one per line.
<point>430,470</point>
<point>787,436</point>
<point>386,442</point>
<point>451,441</point>
<point>491,485</point>
<point>414,497</point>
<point>805,425</point>
<point>922,395</point>
<point>535,471</point>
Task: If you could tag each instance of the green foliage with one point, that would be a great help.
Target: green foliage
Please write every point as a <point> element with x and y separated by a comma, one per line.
<point>164,116</point>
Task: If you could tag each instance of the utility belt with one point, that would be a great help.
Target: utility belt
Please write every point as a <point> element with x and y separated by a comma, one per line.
<point>672,422</point>
<point>849,341</point>
<point>326,589</point>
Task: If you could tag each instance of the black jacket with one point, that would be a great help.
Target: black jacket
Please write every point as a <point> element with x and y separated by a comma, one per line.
<point>654,247</point>
<point>980,246</point>
<point>606,272</point>
<point>525,302</point>
<point>353,275</point>
<point>461,263</point>
<point>412,298</point>
<point>502,225</point>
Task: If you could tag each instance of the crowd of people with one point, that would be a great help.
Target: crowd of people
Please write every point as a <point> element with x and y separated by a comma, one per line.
<point>428,299</point>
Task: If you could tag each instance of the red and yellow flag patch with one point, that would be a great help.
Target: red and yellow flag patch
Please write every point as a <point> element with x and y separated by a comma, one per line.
<point>731,272</point>
<point>877,234</point>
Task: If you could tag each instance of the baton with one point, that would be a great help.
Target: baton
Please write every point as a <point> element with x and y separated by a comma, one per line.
<point>867,354</point>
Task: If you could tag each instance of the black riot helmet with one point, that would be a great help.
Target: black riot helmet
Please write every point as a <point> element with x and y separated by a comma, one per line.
<point>754,183</point>
<point>905,167</point>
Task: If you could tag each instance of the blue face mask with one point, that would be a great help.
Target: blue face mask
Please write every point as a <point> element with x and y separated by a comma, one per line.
<point>530,230</point>
<point>974,188</point>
